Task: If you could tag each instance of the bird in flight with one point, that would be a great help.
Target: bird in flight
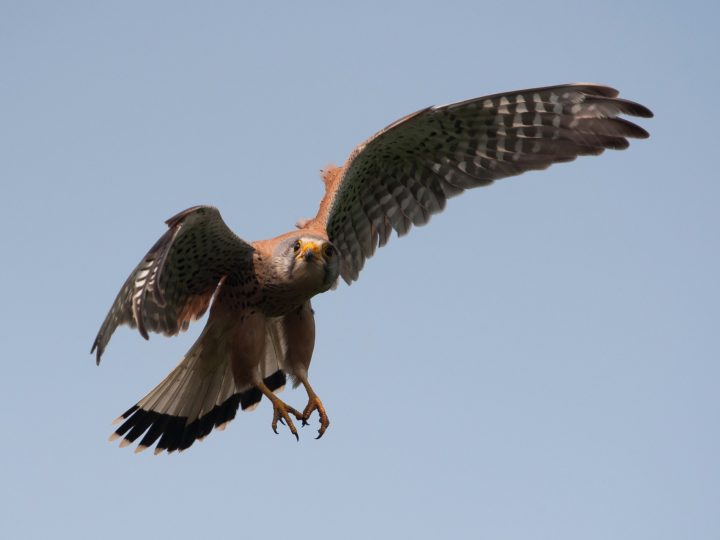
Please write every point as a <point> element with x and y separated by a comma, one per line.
<point>261,327</point>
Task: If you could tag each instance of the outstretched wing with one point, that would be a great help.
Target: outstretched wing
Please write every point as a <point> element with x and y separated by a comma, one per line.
<point>175,281</point>
<point>406,172</point>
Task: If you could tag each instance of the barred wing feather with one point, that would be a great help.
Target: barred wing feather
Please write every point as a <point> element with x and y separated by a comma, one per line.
<point>175,281</point>
<point>405,173</point>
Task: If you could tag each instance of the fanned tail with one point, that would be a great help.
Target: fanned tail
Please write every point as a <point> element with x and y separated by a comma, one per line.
<point>199,395</point>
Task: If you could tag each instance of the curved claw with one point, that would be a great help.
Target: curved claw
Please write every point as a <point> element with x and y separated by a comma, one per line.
<point>322,429</point>
<point>314,404</point>
<point>281,413</point>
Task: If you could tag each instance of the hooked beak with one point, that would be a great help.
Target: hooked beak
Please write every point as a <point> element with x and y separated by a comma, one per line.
<point>310,251</point>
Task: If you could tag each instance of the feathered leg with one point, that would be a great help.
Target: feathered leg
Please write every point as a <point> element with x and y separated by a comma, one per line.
<point>299,331</point>
<point>248,354</point>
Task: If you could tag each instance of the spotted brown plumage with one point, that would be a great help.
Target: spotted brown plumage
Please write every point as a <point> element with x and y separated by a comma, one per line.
<point>174,282</point>
<point>405,173</point>
<point>261,326</point>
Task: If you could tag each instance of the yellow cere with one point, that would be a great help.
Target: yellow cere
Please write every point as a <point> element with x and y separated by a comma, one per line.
<point>311,246</point>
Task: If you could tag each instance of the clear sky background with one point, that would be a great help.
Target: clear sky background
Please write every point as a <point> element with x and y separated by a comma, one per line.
<point>540,362</point>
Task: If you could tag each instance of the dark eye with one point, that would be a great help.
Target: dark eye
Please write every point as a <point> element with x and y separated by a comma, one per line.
<point>296,246</point>
<point>329,251</point>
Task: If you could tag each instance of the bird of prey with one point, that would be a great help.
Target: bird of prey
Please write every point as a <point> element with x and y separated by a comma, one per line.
<point>261,327</point>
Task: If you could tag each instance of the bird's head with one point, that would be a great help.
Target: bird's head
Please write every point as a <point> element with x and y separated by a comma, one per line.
<point>311,260</point>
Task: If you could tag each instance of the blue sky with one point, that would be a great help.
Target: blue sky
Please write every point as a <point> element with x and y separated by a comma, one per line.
<point>540,362</point>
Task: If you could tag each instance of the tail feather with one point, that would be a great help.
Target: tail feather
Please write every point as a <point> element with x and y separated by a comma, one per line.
<point>198,396</point>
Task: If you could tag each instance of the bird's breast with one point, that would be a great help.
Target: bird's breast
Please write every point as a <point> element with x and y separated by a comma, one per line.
<point>281,294</point>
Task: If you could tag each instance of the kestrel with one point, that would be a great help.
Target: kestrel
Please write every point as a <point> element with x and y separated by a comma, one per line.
<point>261,327</point>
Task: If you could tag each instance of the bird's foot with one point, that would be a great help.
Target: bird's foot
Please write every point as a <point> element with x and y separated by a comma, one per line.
<point>281,413</point>
<point>314,404</point>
